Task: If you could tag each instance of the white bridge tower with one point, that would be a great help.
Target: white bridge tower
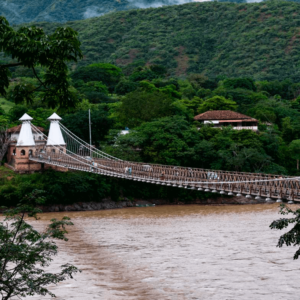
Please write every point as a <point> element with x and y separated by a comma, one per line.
<point>55,137</point>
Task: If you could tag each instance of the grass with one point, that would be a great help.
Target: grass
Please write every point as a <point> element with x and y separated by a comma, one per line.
<point>6,173</point>
<point>6,105</point>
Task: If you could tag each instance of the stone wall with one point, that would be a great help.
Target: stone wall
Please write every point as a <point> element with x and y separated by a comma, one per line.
<point>215,201</point>
<point>230,200</point>
<point>84,206</point>
<point>56,168</point>
<point>109,204</point>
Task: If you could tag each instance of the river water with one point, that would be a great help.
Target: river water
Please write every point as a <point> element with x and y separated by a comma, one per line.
<point>176,252</point>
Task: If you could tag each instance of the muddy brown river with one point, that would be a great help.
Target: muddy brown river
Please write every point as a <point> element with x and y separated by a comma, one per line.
<point>176,252</point>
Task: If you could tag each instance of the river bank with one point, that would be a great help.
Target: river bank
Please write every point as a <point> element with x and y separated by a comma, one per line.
<point>77,191</point>
<point>107,203</point>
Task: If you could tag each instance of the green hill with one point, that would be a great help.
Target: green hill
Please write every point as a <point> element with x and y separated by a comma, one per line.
<point>261,40</point>
<point>21,11</point>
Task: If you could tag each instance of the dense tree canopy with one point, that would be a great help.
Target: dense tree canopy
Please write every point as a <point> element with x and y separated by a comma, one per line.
<point>106,73</point>
<point>142,106</point>
<point>78,123</point>
<point>295,151</point>
<point>31,47</point>
<point>168,140</point>
<point>217,103</point>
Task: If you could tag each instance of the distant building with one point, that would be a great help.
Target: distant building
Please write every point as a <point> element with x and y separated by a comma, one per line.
<point>14,132</point>
<point>227,117</point>
<point>124,132</point>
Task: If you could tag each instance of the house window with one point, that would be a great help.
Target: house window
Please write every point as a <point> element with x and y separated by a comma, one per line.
<point>22,152</point>
<point>30,152</point>
<point>61,150</point>
<point>53,150</point>
<point>14,152</point>
<point>40,138</point>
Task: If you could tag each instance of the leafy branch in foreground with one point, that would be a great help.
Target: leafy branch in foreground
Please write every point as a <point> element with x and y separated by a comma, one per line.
<point>292,237</point>
<point>25,252</point>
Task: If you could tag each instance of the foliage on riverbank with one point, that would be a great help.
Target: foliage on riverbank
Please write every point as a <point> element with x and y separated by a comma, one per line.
<point>72,187</point>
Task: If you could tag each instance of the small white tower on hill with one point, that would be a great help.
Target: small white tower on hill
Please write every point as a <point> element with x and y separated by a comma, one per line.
<point>26,136</point>
<point>55,137</point>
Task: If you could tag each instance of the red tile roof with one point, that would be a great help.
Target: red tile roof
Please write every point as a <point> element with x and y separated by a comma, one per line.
<point>18,129</point>
<point>223,115</point>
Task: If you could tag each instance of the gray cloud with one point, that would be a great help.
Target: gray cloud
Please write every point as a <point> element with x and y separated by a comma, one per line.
<point>146,4</point>
<point>154,3</point>
<point>91,12</point>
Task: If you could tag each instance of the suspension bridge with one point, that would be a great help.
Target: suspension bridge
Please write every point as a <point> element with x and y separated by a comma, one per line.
<point>62,148</point>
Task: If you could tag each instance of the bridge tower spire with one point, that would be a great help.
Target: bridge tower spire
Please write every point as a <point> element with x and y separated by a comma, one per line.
<point>55,137</point>
<point>26,137</point>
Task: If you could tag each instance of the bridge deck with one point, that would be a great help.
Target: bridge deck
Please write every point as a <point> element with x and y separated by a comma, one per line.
<point>249,184</point>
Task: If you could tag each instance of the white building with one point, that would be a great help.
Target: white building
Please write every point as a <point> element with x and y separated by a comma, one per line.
<point>220,118</point>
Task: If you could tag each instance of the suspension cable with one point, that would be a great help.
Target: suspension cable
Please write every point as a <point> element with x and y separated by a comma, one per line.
<point>88,146</point>
<point>82,159</point>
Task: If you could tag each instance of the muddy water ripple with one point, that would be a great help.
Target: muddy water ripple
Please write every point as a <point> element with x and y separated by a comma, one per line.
<point>176,252</point>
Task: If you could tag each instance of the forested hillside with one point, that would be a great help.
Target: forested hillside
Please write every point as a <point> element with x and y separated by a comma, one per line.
<point>20,11</point>
<point>260,40</point>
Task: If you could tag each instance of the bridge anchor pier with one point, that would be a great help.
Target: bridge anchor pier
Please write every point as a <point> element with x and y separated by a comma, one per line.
<point>269,200</point>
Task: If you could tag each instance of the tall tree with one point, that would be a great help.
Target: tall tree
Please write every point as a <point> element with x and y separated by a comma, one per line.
<point>31,47</point>
<point>294,147</point>
<point>144,106</point>
<point>217,103</point>
<point>78,123</point>
<point>109,74</point>
<point>168,140</point>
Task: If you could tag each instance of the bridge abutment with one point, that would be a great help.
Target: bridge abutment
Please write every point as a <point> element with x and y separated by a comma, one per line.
<point>26,144</point>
